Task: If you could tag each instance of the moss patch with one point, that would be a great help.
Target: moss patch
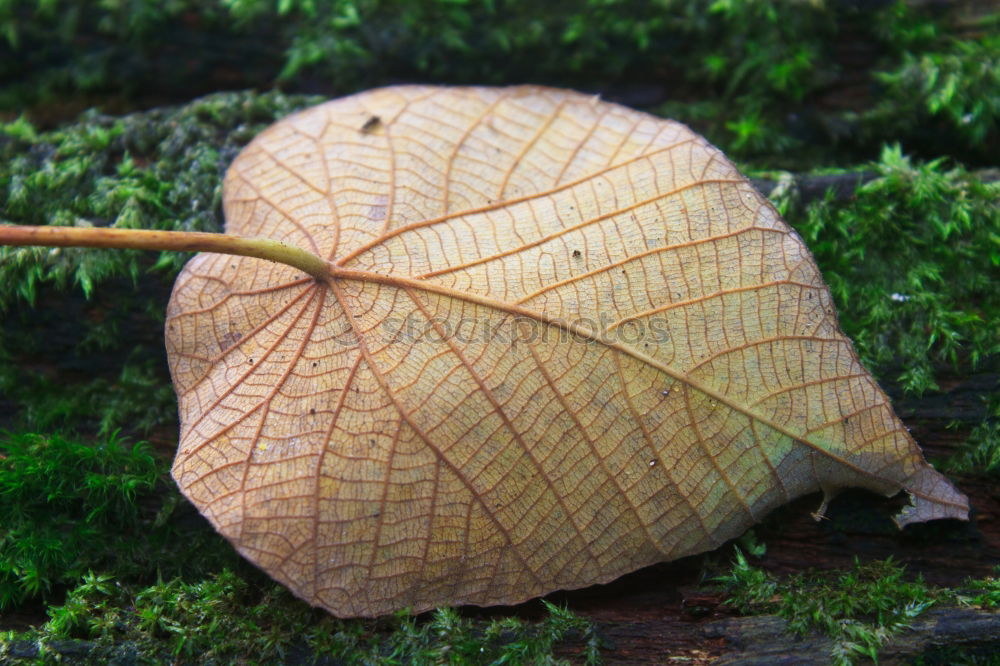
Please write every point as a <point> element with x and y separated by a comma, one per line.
<point>981,452</point>
<point>228,617</point>
<point>771,79</point>
<point>913,261</point>
<point>859,608</point>
<point>69,507</point>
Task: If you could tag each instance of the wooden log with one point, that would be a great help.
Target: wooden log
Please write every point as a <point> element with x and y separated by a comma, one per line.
<point>766,641</point>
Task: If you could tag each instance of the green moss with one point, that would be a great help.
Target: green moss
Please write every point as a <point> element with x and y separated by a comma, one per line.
<point>154,170</point>
<point>137,396</point>
<point>768,79</point>
<point>227,617</point>
<point>913,261</point>
<point>67,507</point>
<point>859,608</point>
<point>980,454</point>
<point>941,88</point>
<point>983,592</point>
<point>349,43</point>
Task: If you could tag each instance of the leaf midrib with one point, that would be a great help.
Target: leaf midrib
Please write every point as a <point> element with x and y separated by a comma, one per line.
<point>400,282</point>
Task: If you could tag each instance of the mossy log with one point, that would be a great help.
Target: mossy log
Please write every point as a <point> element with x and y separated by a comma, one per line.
<point>939,635</point>
<point>662,611</point>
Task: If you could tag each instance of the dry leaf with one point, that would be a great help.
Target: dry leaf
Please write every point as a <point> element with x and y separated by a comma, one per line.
<point>561,340</point>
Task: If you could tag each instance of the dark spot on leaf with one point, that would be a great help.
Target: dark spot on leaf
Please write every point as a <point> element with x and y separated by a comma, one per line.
<point>576,254</point>
<point>228,340</point>
<point>371,125</point>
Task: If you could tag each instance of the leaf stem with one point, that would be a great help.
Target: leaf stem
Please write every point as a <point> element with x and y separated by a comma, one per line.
<point>176,241</point>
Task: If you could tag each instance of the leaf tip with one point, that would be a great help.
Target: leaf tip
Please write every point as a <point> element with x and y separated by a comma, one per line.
<point>932,497</point>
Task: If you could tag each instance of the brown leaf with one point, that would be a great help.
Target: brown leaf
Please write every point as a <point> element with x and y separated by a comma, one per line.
<point>560,340</point>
